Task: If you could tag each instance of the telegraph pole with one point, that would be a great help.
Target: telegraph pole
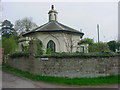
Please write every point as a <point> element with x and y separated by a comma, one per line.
<point>98,32</point>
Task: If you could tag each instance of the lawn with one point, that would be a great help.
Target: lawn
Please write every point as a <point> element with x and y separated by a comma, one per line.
<point>66,81</point>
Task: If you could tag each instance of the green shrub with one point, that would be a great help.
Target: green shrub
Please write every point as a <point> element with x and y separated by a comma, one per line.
<point>19,54</point>
<point>113,45</point>
<point>9,44</point>
<point>98,47</point>
<point>25,48</point>
<point>35,47</point>
<point>86,40</point>
<point>39,48</point>
<point>81,55</point>
<point>49,51</point>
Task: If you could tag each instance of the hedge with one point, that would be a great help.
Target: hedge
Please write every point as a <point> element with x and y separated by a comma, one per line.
<point>79,55</point>
<point>67,55</point>
<point>19,54</point>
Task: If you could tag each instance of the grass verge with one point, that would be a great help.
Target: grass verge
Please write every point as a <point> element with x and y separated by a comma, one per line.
<point>66,81</point>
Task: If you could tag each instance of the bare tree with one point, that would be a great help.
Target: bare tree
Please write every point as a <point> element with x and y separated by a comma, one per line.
<point>24,25</point>
<point>69,41</point>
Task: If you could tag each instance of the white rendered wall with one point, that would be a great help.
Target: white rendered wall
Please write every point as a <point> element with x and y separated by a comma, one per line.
<point>60,39</point>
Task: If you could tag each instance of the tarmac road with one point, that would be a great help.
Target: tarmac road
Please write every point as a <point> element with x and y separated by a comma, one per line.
<point>13,81</point>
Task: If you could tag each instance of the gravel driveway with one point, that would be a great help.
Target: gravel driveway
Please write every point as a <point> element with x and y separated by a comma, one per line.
<point>13,81</point>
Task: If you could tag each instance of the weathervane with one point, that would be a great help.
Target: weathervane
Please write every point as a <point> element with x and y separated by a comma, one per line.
<point>52,7</point>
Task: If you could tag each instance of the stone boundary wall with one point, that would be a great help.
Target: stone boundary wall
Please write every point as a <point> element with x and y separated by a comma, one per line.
<point>67,67</point>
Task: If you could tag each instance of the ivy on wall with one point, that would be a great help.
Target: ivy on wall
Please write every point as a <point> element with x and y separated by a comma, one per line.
<point>39,48</point>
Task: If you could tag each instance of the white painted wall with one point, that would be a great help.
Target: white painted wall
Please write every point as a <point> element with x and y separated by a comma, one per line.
<point>61,40</point>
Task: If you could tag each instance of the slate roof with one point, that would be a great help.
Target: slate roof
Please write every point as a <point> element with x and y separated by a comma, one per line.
<point>54,26</point>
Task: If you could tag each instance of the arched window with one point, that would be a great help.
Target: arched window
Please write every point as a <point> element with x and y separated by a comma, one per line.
<point>51,45</point>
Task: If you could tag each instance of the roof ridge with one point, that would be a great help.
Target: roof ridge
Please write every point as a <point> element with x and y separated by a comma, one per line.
<point>60,26</point>
<point>55,27</point>
<point>68,27</point>
<point>43,25</point>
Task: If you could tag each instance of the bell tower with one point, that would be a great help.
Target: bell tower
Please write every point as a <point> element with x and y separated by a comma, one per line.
<point>52,14</point>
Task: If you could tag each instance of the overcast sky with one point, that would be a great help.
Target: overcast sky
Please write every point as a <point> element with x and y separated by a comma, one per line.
<point>78,15</point>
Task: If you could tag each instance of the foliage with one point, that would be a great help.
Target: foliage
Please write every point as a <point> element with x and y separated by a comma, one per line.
<point>87,40</point>
<point>66,81</point>
<point>49,51</point>
<point>7,26</point>
<point>118,47</point>
<point>7,35</point>
<point>79,55</point>
<point>0,43</point>
<point>99,47</point>
<point>39,48</point>
<point>7,29</point>
<point>112,45</point>
<point>24,25</point>
<point>35,47</point>
<point>9,44</point>
<point>19,54</point>
<point>25,48</point>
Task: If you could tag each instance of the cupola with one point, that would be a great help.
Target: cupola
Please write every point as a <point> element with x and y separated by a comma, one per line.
<point>52,14</point>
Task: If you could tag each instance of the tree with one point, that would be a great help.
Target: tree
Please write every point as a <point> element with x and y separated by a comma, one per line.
<point>9,44</point>
<point>70,43</point>
<point>87,40</point>
<point>7,29</point>
<point>112,45</point>
<point>118,45</point>
<point>24,25</point>
<point>98,47</point>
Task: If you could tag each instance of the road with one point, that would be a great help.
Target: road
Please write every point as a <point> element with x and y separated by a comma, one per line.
<point>13,81</point>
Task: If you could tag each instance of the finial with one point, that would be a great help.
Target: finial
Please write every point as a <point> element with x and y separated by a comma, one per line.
<point>52,7</point>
